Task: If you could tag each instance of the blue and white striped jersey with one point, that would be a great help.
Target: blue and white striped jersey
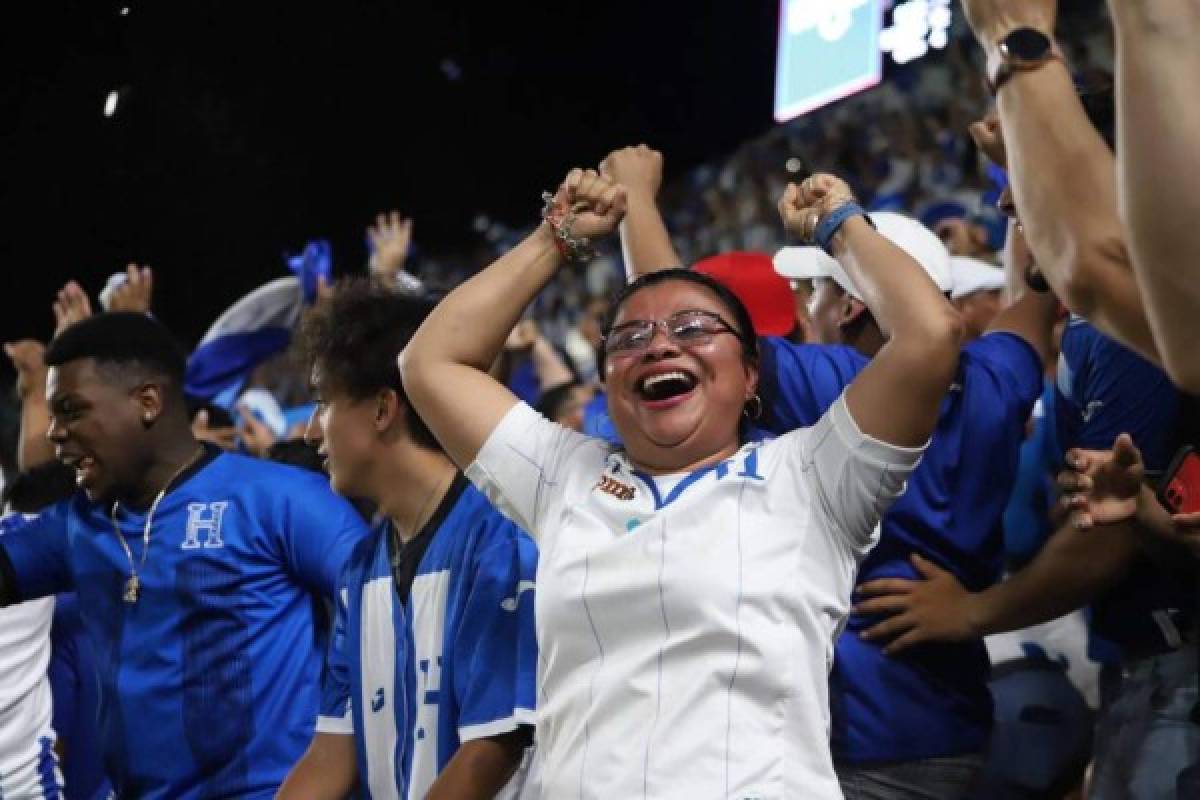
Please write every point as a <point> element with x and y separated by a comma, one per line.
<point>414,680</point>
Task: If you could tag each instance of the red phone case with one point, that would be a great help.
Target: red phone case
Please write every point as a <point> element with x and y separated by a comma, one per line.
<point>1179,490</point>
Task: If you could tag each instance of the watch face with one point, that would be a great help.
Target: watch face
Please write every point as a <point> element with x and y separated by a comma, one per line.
<point>1026,44</point>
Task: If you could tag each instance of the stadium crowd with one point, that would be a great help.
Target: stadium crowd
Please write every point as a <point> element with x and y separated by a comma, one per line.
<point>860,465</point>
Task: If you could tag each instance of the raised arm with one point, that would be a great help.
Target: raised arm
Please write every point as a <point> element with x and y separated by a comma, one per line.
<point>1064,180</point>
<point>1158,121</point>
<point>645,242</point>
<point>33,448</point>
<point>445,366</point>
<point>1030,315</point>
<point>897,397</point>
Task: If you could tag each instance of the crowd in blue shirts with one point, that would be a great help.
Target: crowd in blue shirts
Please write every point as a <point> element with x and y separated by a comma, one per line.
<point>1026,626</point>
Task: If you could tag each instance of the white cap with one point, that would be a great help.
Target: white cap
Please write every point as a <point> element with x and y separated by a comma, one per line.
<point>970,275</point>
<point>802,263</point>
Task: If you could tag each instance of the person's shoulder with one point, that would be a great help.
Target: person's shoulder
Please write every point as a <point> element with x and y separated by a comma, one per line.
<point>491,525</point>
<point>250,472</point>
<point>1011,364</point>
<point>780,347</point>
<point>1001,346</point>
<point>361,559</point>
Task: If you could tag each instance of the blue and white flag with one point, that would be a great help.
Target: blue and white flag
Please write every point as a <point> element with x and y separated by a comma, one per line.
<point>256,327</point>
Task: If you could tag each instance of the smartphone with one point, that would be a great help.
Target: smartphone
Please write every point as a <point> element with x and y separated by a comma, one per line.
<point>1179,489</point>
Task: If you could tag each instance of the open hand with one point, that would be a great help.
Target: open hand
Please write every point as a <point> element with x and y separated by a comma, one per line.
<point>639,169</point>
<point>936,609</point>
<point>136,293</point>
<point>804,205</point>
<point>1102,487</point>
<point>71,305</point>
<point>256,435</point>
<point>28,359</point>
<point>390,237</point>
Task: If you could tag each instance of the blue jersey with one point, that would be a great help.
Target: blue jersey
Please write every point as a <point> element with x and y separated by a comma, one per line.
<point>934,700</point>
<point>209,684</point>
<point>457,661</point>
<point>1105,389</point>
<point>75,683</point>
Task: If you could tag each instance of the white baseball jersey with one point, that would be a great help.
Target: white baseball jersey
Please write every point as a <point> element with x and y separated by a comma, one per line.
<point>28,768</point>
<point>686,622</point>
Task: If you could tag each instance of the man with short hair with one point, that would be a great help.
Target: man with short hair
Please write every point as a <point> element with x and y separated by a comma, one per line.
<point>200,574</point>
<point>430,682</point>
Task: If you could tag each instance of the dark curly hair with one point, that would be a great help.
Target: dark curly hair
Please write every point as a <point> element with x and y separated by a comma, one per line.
<point>352,340</point>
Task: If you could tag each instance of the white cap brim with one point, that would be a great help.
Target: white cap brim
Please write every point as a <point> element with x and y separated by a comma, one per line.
<point>803,263</point>
<point>922,244</point>
<point>970,275</point>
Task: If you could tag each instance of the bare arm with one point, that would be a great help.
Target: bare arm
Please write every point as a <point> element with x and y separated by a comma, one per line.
<point>548,364</point>
<point>645,242</point>
<point>1073,568</point>
<point>1064,181</point>
<point>1088,554</point>
<point>481,767</point>
<point>1031,315</point>
<point>33,448</point>
<point>897,397</point>
<point>1158,119</point>
<point>445,366</point>
<point>327,771</point>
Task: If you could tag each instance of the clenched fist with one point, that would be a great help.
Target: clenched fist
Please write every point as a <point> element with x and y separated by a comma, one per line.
<point>639,169</point>
<point>803,206</point>
<point>597,203</point>
<point>991,20</point>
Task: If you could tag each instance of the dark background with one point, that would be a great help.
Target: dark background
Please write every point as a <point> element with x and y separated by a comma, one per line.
<point>249,127</point>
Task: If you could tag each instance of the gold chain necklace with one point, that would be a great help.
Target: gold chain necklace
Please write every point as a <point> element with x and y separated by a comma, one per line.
<point>133,585</point>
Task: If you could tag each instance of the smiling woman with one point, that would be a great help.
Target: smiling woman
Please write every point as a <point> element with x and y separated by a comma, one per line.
<point>692,581</point>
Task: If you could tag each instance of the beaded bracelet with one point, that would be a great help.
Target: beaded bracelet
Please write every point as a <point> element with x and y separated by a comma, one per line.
<point>571,248</point>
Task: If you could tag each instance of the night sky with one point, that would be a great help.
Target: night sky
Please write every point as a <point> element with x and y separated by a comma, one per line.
<point>249,127</point>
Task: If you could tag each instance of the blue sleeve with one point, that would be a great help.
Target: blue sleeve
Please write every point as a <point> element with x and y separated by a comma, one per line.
<point>495,650</point>
<point>1111,390</point>
<point>1013,368</point>
<point>335,714</point>
<point>799,382</point>
<point>38,553</point>
<point>320,531</point>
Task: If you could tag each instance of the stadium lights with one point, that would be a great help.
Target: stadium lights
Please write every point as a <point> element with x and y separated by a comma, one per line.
<point>110,103</point>
<point>917,26</point>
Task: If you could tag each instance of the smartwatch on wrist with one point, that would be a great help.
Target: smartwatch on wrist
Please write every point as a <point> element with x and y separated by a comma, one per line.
<point>1023,50</point>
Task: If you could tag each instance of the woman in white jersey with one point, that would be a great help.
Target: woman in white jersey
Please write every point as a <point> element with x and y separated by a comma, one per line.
<point>691,583</point>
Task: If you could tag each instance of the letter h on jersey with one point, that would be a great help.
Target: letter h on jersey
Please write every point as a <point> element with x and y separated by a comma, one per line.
<point>204,518</point>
